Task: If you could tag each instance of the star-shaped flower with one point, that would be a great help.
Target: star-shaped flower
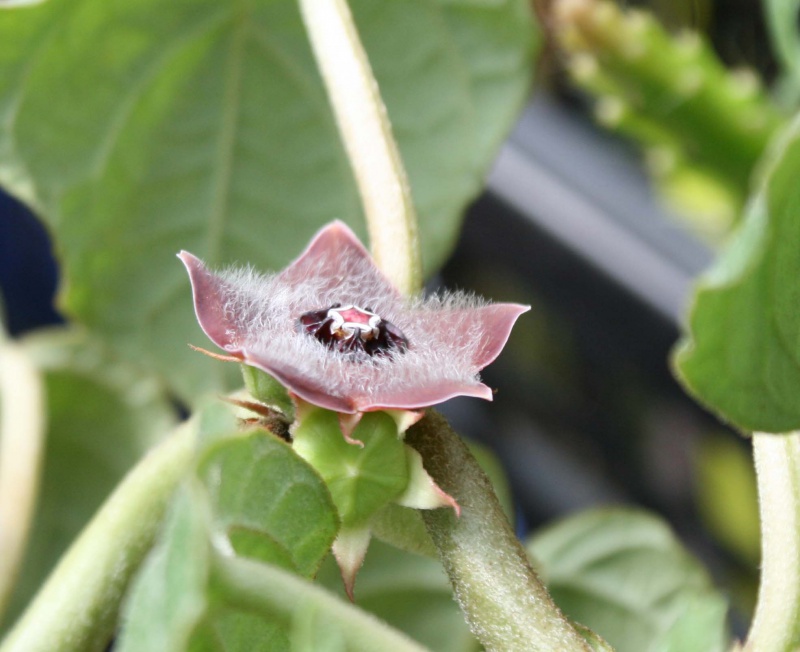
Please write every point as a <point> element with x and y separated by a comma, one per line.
<point>337,334</point>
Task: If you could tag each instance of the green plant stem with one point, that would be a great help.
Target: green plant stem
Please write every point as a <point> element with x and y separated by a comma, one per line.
<point>776,624</point>
<point>506,605</point>
<point>367,135</point>
<point>77,608</point>
<point>22,430</point>
<point>280,596</point>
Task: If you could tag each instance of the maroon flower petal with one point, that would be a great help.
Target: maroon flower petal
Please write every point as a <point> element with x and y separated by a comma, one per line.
<point>210,292</point>
<point>336,255</point>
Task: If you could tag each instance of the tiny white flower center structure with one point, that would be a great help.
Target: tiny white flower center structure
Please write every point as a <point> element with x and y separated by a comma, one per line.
<point>353,330</point>
<point>349,321</point>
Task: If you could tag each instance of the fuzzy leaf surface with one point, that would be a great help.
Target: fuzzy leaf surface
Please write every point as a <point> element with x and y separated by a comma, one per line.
<point>624,575</point>
<point>270,503</point>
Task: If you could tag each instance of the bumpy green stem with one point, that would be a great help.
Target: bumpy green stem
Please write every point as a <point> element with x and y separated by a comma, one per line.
<point>670,92</point>
<point>367,135</point>
<point>76,609</point>
<point>507,606</point>
<point>776,624</point>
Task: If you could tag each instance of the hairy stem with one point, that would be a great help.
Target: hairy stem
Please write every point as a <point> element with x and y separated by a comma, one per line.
<point>22,429</point>
<point>76,609</point>
<point>506,605</point>
<point>776,624</point>
<point>367,135</point>
<point>281,596</point>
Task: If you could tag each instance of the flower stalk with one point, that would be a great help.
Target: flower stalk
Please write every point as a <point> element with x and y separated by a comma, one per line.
<point>367,136</point>
<point>22,430</point>
<point>506,605</point>
<point>776,624</point>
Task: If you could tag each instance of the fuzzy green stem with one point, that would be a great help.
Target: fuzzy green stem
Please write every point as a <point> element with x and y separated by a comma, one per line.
<point>781,21</point>
<point>667,91</point>
<point>367,135</point>
<point>506,605</point>
<point>22,429</point>
<point>76,610</point>
<point>776,624</point>
<point>281,596</point>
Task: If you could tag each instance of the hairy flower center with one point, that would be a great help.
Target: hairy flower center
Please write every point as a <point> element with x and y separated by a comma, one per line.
<point>353,329</point>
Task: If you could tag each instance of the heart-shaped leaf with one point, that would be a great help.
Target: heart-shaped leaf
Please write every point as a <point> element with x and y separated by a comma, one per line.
<point>144,128</point>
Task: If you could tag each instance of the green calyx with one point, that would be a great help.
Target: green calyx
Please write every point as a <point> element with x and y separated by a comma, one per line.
<point>265,389</point>
<point>361,479</point>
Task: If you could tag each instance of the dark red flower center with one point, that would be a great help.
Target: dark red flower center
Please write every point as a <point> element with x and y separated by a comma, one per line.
<point>351,329</point>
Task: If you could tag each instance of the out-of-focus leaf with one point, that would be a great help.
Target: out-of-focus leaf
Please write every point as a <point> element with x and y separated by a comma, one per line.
<point>102,416</point>
<point>742,354</point>
<point>143,128</point>
<point>403,528</point>
<point>411,593</point>
<point>169,597</point>
<point>269,502</point>
<point>171,607</point>
<point>623,574</point>
<point>699,626</point>
<point>193,596</point>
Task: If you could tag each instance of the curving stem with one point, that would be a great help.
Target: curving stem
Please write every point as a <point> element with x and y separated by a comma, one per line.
<point>776,624</point>
<point>367,136</point>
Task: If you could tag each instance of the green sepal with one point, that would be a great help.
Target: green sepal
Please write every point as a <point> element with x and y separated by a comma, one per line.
<point>265,389</point>
<point>361,480</point>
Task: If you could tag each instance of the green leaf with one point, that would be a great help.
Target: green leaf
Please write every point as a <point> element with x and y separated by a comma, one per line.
<point>203,125</point>
<point>168,599</point>
<point>742,354</point>
<point>403,528</point>
<point>361,480</point>
<point>623,574</point>
<point>190,596</point>
<point>270,503</point>
<point>172,606</point>
<point>699,626</point>
<point>265,389</point>
<point>411,593</point>
<point>102,417</point>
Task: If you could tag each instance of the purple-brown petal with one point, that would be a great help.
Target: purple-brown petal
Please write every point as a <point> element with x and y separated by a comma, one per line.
<point>497,320</point>
<point>335,254</point>
<point>421,396</point>
<point>209,292</point>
